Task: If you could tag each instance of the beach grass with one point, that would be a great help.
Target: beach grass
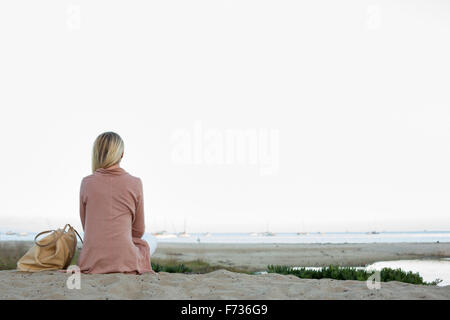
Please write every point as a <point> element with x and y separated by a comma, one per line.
<point>194,266</point>
<point>349,273</point>
<point>10,253</point>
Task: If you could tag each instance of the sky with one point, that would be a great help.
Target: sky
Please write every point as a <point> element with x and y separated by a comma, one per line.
<point>238,116</point>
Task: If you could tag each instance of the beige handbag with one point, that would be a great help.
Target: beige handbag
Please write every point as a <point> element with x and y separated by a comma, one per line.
<point>53,252</point>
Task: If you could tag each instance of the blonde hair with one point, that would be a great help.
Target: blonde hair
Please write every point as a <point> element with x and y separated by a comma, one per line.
<point>107,151</point>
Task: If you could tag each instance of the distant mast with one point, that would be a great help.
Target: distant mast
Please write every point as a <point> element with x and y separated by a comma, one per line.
<point>268,233</point>
<point>302,233</point>
<point>184,234</point>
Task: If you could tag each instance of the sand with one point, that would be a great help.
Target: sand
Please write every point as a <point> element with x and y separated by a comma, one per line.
<point>222,284</point>
<point>219,284</point>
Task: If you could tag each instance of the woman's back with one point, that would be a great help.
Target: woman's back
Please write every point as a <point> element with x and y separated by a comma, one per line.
<point>112,216</point>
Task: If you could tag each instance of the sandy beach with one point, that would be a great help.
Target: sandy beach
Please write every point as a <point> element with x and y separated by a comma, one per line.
<point>219,284</point>
<point>223,284</point>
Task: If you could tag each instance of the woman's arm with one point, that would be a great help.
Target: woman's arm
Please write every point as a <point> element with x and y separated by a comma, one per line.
<point>138,227</point>
<point>82,206</point>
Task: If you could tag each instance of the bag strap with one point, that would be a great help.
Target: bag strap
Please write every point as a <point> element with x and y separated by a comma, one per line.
<point>56,237</point>
<point>79,237</point>
<point>48,244</point>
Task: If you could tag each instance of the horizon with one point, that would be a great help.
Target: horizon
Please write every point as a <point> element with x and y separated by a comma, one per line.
<point>18,230</point>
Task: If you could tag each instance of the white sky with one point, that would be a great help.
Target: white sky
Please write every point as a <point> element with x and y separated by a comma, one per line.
<point>349,102</point>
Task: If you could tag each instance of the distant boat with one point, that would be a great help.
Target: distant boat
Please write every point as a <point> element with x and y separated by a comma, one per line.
<point>262,234</point>
<point>208,234</point>
<point>23,234</point>
<point>184,234</point>
<point>302,233</point>
<point>163,235</point>
<point>267,233</point>
<point>10,233</point>
<point>372,232</point>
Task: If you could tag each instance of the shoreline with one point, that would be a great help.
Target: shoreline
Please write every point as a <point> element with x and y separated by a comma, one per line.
<point>255,257</point>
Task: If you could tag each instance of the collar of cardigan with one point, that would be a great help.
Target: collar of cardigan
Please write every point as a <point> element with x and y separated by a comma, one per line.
<point>114,171</point>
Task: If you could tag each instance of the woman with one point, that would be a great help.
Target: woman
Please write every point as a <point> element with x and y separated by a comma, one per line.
<point>112,214</point>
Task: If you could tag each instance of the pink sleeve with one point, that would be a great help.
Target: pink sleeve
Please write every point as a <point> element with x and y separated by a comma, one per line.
<point>82,206</point>
<point>138,228</point>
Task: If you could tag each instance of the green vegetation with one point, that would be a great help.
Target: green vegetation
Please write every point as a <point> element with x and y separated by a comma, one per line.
<point>194,266</point>
<point>75,257</point>
<point>178,268</point>
<point>11,253</point>
<point>348,273</point>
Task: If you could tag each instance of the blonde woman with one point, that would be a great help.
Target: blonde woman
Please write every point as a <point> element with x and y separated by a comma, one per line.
<point>112,214</point>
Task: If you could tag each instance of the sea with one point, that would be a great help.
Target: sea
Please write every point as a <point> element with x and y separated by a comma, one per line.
<point>315,237</point>
<point>324,238</point>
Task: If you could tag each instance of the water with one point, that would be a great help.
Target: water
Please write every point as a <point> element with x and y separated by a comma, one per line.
<point>429,270</point>
<point>336,237</point>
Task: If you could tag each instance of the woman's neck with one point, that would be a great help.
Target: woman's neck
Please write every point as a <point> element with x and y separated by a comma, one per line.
<point>114,166</point>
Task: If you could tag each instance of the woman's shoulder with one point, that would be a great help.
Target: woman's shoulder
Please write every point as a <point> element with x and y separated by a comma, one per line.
<point>133,179</point>
<point>88,177</point>
<point>131,182</point>
<point>85,180</point>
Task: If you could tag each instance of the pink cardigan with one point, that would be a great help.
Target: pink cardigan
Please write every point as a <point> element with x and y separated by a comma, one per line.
<point>112,216</point>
